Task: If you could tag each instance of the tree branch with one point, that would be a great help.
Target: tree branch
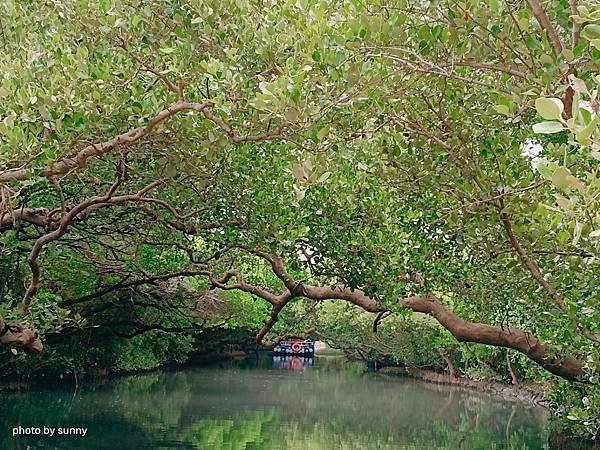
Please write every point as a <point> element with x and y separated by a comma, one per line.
<point>575,29</point>
<point>544,21</point>
<point>545,355</point>
<point>34,216</point>
<point>527,262</point>
<point>80,159</point>
<point>63,226</point>
<point>19,336</point>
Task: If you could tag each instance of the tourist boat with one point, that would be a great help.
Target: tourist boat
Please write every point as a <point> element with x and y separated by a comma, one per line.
<point>295,348</point>
<point>293,362</point>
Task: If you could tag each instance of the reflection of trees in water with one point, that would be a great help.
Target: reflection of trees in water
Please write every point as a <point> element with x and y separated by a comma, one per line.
<point>277,409</point>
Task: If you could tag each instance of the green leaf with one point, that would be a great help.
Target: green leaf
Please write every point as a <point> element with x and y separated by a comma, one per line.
<point>502,109</point>
<point>595,155</point>
<point>568,54</point>
<point>324,177</point>
<point>292,114</point>
<point>322,133</point>
<point>575,107</point>
<point>299,172</point>
<point>583,137</point>
<point>574,182</point>
<point>548,127</point>
<point>577,232</point>
<point>549,108</point>
<point>300,193</point>
<point>560,179</point>
<point>563,202</point>
<point>166,50</point>
<point>591,31</point>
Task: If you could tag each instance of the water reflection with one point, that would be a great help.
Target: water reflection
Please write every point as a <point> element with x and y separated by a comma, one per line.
<point>323,407</point>
<point>293,362</point>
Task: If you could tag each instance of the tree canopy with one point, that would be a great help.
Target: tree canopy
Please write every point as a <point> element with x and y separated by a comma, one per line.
<point>402,157</point>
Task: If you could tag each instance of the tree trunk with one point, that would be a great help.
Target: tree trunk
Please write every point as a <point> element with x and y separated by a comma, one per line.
<point>17,336</point>
<point>544,354</point>
<point>547,356</point>
<point>513,374</point>
<point>451,367</point>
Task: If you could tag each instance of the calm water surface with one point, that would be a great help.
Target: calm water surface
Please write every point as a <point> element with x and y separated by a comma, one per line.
<point>328,405</point>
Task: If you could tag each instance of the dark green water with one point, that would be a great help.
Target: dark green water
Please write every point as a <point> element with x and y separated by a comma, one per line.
<point>327,406</point>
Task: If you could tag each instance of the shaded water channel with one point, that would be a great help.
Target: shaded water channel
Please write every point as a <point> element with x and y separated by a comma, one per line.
<point>328,404</point>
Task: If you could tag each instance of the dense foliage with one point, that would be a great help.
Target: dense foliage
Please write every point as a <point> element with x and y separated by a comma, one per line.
<point>173,167</point>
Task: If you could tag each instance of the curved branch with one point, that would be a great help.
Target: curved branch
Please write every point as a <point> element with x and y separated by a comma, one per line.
<point>241,285</point>
<point>80,159</point>
<point>545,355</point>
<point>34,216</point>
<point>356,296</point>
<point>527,262</point>
<point>63,226</point>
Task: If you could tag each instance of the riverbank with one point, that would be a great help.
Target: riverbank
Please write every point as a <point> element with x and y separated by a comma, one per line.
<point>200,359</point>
<point>534,394</point>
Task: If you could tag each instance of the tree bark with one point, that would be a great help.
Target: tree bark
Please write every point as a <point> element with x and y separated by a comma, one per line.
<point>540,14</point>
<point>35,216</point>
<point>567,367</point>
<point>451,367</point>
<point>81,158</point>
<point>546,355</point>
<point>22,337</point>
<point>513,374</point>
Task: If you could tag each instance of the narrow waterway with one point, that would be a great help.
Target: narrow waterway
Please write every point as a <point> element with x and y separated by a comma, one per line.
<point>291,404</point>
